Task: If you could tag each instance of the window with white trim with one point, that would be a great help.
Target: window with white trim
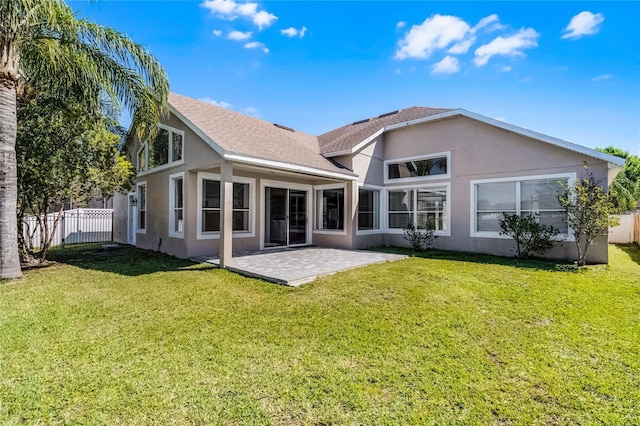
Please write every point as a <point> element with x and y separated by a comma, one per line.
<point>519,196</point>
<point>142,207</point>
<point>166,148</point>
<point>368,209</point>
<point>330,209</point>
<point>176,205</point>
<point>423,207</point>
<point>210,206</point>
<point>434,166</point>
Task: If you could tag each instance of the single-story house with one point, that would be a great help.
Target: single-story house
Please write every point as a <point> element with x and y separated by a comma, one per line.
<point>217,181</point>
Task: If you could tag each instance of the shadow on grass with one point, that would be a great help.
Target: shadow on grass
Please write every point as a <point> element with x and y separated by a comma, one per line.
<point>487,259</point>
<point>632,250</point>
<point>124,260</point>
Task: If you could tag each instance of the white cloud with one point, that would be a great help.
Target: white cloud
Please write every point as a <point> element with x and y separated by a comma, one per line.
<point>505,68</point>
<point>584,23</point>
<point>252,111</point>
<point>525,38</point>
<point>439,32</point>
<point>436,32</point>
<point>462,47</point>
<point>398,71</point>
<point>401,24</point>
<point>264,19</point>
<point>256,45</point>
<point>217,33</point>
<point>486,23</point>
<point>239,35</point>
<point>229,9</point>
<point>247,9</point>
<point>222,104</point>
<point>500,118</point>
<point>449,65</point>
<point>602,77</point>
<point>292,32</point>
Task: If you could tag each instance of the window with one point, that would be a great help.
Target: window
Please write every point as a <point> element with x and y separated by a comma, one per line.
<point>330,208</point>
<point>176,205</point>
<point>368,209</point>
<point>423,207</point>
<point>534,195</point>
<point>142,207</point>
<point>435,166</point>
<point>166,148</point>
<point>209,202</point>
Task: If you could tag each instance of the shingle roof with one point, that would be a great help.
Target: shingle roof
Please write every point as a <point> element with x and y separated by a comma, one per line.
<point>242,135</point>
<point>347,137</point>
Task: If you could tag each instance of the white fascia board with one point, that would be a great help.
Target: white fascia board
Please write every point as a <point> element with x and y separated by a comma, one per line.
<point>288,166</point>
<point>217,148</point>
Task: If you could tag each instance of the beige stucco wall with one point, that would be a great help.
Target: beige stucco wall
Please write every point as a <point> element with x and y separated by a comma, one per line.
<point>479,151</point>
<point>200,157</point>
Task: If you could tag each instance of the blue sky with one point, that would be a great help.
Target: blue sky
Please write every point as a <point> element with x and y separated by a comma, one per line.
<point>566,69</point>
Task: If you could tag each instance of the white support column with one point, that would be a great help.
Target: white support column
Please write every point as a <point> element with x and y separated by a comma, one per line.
<point>226,207</point>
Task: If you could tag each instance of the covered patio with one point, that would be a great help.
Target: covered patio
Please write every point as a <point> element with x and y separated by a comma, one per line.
<point>296,266</point>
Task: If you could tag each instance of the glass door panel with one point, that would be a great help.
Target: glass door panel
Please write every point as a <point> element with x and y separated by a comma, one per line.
<point>275,221</point>
<point>297,217</point>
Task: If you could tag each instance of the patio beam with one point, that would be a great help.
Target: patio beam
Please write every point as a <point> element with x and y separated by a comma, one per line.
<point>226,227</point>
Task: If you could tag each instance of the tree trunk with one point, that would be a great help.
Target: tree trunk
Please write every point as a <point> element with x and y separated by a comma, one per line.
<point>9,254</point>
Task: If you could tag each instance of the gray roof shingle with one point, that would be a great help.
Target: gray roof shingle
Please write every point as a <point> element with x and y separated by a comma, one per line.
<point>346,137</point>
<point>240,134</point>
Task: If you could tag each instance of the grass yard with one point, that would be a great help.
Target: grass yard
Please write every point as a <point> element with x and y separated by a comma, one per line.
<point>131,337</point>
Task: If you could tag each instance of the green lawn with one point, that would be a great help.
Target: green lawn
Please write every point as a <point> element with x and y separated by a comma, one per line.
<point>131,337</point>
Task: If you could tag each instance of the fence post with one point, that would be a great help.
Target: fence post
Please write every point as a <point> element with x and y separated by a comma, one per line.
<point>62,230</point>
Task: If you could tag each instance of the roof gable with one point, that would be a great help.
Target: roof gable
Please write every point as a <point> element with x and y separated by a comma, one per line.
<point>235,135</point>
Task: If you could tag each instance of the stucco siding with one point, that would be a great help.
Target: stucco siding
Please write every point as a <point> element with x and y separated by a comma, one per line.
<point>480,151</point>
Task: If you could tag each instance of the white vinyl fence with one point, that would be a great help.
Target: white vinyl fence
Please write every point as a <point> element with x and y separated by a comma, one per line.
<point>77,226</point>
<point>628,231</point>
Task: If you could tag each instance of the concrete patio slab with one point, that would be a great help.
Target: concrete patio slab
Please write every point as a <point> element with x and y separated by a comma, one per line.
<point>295,266</point>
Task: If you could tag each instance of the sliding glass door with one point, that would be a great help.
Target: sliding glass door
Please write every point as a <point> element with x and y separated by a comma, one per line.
<point>285,218</point>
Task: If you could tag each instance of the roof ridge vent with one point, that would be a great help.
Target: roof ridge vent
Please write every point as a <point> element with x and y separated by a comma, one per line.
<point>360,121</point>
<point>280,126</point>
<point>388,114</point>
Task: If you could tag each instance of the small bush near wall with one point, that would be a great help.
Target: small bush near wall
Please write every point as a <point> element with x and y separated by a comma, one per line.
<point>419,238</point>
<point>530,235</point>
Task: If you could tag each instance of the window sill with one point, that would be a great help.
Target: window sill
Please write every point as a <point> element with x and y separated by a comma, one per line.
<point>161,168</point>
<point>330,232</point>
<point>216,235</point>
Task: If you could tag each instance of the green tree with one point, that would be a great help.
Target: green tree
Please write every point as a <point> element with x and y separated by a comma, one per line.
<point>63,153</point>
<point>588,212</point>
<point>41,40</point>
<point>624,190</point>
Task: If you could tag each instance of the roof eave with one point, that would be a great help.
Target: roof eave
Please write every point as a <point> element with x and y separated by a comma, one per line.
<point>281,165</point>
<point>612,161</point>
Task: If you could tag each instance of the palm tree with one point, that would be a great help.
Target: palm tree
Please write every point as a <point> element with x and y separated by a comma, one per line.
<point>42,40</point>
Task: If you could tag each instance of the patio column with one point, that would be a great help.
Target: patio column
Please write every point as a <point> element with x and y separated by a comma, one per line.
<point>226,213</point>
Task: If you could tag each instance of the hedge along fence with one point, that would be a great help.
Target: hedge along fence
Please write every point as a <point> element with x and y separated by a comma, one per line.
<point>77,226</point>
<point>628,231</point>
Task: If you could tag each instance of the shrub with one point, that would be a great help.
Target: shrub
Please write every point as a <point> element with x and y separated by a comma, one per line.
<point>530,235</point>
<point>419,238</point>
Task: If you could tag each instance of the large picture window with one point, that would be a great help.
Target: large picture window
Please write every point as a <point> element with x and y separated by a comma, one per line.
<point>519,196</point>
<point>330,209</point>
<point>167,148</point>
<point>368,209</point>
<point>422,207</point>
<point>210,212</point>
